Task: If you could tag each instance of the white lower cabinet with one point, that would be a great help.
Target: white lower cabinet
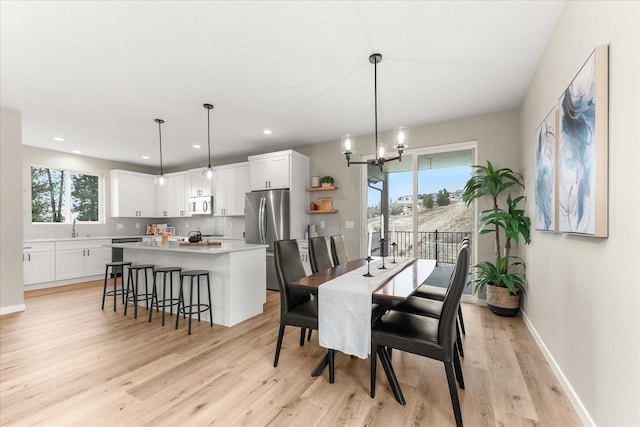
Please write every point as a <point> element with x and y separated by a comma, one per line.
<point>303,247</point>
<point>81,258</point>
<point>39,262</point>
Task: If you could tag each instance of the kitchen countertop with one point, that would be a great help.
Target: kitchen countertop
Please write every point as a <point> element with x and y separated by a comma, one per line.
<point>66,239</point>
<point>226,247</point>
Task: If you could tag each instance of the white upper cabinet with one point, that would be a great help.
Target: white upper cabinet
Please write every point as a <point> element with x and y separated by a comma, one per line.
<point>270,171</point>
<point>231,182</point>
<point>132,194</point>
<point>199,184</point>
<point>242,186</point>
<point>172,197</point>
<point>164,198</point>
<point>181,191</point>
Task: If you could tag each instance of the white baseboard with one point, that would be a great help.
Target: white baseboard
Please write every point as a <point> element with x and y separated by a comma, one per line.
<point>12,309</point>
<point>65,282</point>
<point>566,385</point>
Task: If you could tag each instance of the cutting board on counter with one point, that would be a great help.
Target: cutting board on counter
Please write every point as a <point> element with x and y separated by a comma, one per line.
<point>214,244</point>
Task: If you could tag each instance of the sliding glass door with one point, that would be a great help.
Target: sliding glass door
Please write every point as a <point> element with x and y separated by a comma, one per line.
<point>418,203</point>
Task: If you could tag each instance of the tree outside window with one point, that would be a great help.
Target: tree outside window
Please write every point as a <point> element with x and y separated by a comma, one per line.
<point>60,196</point>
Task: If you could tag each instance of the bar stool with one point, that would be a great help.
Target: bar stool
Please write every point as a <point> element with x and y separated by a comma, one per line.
<point>193,308</point>
<point>114,266</point>
<point>133,282</point>
<point>171,301</point>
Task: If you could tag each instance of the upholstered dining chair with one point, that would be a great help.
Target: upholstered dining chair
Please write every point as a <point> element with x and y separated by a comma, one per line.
<point>424,336</point>
<point>437,293</point>
<point>339,250</point>
<point>319,254</point>
<point>296,306</point>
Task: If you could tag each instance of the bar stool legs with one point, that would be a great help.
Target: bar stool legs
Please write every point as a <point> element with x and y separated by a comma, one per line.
<point>115,267</point>
<point>198,307</point>
<point>132,286</point>
<point>164,302</point>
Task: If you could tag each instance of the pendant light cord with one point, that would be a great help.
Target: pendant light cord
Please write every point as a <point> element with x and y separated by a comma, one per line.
<point>375,100</point>
<point>160,121</point>
<point>209,134</point>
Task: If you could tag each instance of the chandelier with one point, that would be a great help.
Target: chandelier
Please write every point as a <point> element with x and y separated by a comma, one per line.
<point>400,134</point>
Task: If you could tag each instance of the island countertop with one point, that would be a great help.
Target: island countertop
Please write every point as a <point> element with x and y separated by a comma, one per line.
<point>225,247</point>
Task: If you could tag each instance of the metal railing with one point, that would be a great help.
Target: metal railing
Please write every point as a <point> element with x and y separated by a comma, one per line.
<point>439,245</point>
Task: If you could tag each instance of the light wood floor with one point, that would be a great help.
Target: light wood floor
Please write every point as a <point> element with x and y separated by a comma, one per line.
<point>66,362</point>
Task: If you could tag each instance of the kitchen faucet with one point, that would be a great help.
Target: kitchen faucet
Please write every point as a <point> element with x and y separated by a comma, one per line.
<point>73,230</point>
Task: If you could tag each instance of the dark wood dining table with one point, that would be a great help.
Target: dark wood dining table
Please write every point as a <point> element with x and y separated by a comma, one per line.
<point>396,288</point>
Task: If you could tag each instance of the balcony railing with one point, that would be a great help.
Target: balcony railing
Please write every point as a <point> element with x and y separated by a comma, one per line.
<point>439,245</point>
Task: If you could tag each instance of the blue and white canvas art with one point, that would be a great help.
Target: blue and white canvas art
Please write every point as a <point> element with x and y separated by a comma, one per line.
<point>546,173</point>
<point>577,160</point>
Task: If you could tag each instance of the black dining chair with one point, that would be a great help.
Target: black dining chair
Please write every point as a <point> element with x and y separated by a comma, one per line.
<point>339,250</point>
<point>319,254</point>
<point>424,336</point>
<point>296,306</point>
<point>437,293</point>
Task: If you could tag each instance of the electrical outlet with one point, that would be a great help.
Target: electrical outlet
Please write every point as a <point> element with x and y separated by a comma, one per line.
<point>186,225</point>
<point>137,225</point>
<point>349,224</point>
<point>119,226</point>
<point>321,224</point>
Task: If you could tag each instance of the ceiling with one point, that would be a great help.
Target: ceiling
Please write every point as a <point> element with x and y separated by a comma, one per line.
<point>98,73</point>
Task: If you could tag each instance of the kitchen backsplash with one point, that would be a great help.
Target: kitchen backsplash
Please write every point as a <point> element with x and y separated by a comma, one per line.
<point>231,227</point>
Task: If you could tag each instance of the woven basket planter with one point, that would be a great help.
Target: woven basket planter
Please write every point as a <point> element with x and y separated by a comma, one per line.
<point>502,302</point>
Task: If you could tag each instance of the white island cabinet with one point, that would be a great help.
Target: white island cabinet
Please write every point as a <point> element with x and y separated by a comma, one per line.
<point>237,292</point>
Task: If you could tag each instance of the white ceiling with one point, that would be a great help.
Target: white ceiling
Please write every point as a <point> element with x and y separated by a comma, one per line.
<point>99,73</point>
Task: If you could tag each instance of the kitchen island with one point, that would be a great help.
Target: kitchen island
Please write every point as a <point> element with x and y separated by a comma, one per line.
<point>237,271</point>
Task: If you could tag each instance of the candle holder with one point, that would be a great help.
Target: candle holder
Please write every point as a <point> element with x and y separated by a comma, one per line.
<point>382,267</point>
<point>368,259</point>
<point>395,247</point>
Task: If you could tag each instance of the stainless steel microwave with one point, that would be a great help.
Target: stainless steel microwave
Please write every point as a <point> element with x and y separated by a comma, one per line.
<point>201,205</point>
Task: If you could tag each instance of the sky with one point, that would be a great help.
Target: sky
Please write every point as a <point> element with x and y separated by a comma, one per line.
<point>429,181</point>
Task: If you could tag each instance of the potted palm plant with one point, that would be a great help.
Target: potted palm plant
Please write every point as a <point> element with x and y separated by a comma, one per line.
<point>503,277</point>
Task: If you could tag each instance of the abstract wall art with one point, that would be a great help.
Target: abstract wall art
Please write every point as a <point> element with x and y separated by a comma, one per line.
<point>582,168</point>
<point>545,218</point>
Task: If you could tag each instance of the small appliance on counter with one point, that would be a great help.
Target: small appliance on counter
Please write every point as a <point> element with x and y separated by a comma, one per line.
<point>195,236</point>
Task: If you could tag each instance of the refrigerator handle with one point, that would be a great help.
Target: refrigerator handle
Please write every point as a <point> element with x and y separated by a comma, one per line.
<point>262,220</point>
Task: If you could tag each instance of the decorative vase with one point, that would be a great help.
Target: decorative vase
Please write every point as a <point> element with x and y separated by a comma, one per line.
<point>502,302</point>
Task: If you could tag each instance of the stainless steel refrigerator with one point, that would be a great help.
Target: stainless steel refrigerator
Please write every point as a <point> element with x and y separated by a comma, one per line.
<point>267,220</point>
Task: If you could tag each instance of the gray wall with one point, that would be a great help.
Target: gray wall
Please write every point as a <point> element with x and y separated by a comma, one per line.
<point>584,293</point>
<point>497,136</point>
<point>11,277</point>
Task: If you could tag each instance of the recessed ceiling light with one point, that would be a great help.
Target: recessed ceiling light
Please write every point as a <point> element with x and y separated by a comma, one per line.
<point>267,131</point>
<point>57,138</point>
<point>76,152</point>
<point>145,157</point>
<point>196,146</point>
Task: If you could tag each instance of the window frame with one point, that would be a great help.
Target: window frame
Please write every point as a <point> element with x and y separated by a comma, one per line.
<point>68,212</point>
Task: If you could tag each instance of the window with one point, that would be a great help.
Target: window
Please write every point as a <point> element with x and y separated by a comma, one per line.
<point>63,196</point>
<point>421,200</point>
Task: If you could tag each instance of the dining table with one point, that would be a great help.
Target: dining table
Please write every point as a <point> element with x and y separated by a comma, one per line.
<point>372,283</point>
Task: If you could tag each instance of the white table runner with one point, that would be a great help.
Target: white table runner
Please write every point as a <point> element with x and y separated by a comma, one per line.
<point>344,307</point>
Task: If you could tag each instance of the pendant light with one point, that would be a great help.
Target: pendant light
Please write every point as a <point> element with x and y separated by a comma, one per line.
<point>160,179</point>
<point>208,171</point>
<point>400,134</point>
